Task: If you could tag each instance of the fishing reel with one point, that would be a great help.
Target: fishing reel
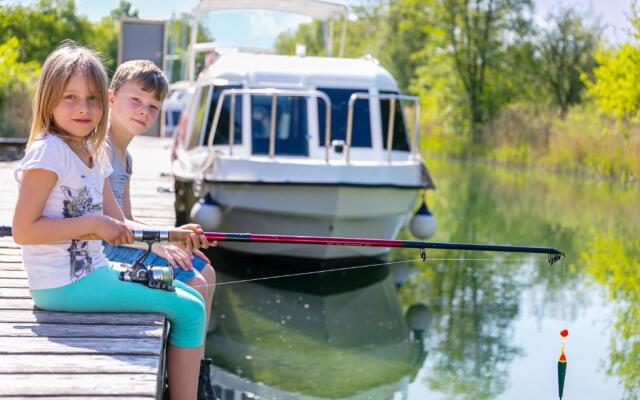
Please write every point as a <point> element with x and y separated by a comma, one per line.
<point>154,276</point>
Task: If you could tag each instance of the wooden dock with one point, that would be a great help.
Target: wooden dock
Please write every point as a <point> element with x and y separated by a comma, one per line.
<point>98,355</point>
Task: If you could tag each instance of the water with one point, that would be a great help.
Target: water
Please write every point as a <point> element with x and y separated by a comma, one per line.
<point>492,320</point>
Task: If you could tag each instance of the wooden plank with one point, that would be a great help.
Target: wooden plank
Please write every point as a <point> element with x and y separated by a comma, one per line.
<point>43,345</point>
<point>72,385</point>
<point>11,251</point>
<point>14,293</point>
<point>11,329</point>
<point>77,364</point>
<point>52,317</point>
<point>13,283</point>
<point>16,304</point>
<point>17,266</point>
<point>10,258</point>
<point>13,274</point>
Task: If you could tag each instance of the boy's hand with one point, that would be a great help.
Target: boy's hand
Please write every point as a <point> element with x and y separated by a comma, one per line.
<point>113,231</point>
<point>176,256</point>
<point>197,239</point>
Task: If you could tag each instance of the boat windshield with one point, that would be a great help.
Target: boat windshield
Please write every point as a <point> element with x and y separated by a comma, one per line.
<point>221,136</point>
<point>292,136</point>
<point>361,130</point>
<point>400,133</point>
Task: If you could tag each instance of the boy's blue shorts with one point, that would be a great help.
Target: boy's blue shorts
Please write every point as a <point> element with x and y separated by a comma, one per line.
<point>127,255</point>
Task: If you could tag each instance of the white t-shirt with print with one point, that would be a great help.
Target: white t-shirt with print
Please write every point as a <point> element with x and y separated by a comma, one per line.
<point>77,192</point>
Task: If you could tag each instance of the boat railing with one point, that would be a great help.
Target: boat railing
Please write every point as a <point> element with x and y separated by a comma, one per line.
<point>274,94</point>
<point>415,149</point>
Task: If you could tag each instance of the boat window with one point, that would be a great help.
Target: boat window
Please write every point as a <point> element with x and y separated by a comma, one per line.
<point>291,125</point>
<point>361,128</point>
<point>221,136</point>
<point>400,135</point>
<point>201,96</point>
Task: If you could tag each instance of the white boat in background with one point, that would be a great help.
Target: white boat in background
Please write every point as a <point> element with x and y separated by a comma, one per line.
<point>297,145</point>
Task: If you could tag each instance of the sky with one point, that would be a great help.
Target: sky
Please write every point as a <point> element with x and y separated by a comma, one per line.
<point>260,28</point>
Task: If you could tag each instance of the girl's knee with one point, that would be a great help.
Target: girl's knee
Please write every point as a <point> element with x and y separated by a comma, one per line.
<point>209,274</point>
<point>200,284</point>
<point>189,321</point>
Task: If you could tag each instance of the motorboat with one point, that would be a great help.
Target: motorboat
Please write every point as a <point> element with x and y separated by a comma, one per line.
<point>294,144</point>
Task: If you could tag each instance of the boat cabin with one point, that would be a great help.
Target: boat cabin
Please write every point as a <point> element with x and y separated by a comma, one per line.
<point>276,107</point>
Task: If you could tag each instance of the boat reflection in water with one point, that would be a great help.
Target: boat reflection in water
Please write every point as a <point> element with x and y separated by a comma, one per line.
<point>338,335</point>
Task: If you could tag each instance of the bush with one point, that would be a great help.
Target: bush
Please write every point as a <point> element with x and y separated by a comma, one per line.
<point>17,82</point>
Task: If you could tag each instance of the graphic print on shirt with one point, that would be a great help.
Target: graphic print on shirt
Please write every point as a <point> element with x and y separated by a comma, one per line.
<point>76,204</point>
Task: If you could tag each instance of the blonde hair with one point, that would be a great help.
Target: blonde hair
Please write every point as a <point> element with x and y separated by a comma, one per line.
<point>65,61</point>
<point>146,73</point>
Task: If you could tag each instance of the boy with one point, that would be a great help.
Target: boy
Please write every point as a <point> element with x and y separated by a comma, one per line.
<point>135,95</point>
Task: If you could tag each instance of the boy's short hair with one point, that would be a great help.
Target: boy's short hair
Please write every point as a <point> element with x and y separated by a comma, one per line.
<point>146,73</point>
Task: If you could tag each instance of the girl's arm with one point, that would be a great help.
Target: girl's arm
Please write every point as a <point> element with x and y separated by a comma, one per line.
<point>30,227</point>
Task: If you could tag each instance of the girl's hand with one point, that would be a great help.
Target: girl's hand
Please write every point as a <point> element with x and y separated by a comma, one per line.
<point>176,256</point>
<point>197,239</point>
<point>113,231</point>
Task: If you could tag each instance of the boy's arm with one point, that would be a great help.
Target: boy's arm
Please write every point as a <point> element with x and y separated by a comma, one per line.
<point>112,209</point>
<point>126,202</point>
<point>110,206</point>
<point>30,227</point>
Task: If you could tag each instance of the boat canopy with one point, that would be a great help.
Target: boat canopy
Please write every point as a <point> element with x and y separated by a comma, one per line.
<point>312,8</point>
<point>317,9</point>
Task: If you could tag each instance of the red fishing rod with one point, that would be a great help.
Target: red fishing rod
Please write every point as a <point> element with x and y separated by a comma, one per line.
<point>178,235</point>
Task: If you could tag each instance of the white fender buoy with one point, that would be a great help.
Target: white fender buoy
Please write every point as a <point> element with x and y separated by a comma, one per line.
<point>423,223</point>
<point>419,318</point>
<point>402,273</point>
<point>207,213</point>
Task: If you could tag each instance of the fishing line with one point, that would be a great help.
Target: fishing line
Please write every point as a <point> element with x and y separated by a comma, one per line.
<point>306,273</point>
<point>514,261</point>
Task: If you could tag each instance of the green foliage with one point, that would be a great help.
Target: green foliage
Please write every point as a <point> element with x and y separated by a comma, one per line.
<point>615,87</point>
<point>124,9</point>
<point>104,36</point>
<point>475,33</point>
<point>365,35</point>
<point>567,50</point>
<point>311,35</point>
<point>178,31</point>
<point>104,41</point>
<point>16,82</point>
<point>41,27</point>
<point>614,262</point>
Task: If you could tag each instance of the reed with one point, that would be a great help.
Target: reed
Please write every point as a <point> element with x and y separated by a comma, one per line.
<point>584,143</point>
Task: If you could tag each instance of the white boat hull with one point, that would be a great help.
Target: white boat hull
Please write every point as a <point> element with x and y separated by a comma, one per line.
<point>312,210</point>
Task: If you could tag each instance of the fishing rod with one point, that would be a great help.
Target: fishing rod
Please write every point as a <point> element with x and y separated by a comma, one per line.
<point>180,235</point>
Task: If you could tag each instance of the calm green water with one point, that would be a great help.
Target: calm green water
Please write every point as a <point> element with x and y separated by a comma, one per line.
<point>493,320</point>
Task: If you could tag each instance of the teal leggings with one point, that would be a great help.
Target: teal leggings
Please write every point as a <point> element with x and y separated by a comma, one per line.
<point>103,291</point>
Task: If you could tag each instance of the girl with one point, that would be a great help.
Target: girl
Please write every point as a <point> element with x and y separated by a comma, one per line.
<point>64,196</point>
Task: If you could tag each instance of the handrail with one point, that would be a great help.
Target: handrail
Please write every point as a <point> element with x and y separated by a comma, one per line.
<point>390,128</point>
<point>274,93</point>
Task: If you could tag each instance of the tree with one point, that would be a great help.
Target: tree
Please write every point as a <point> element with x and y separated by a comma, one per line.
<point>41,27</point>
<point>365,34</point>
<point>475,34</point>
<point>567,51</point>
<point>104,36</point>
<point>16,82</point>
<point>408,33</point>
<point>124,9</point>
<point>614,85</point>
